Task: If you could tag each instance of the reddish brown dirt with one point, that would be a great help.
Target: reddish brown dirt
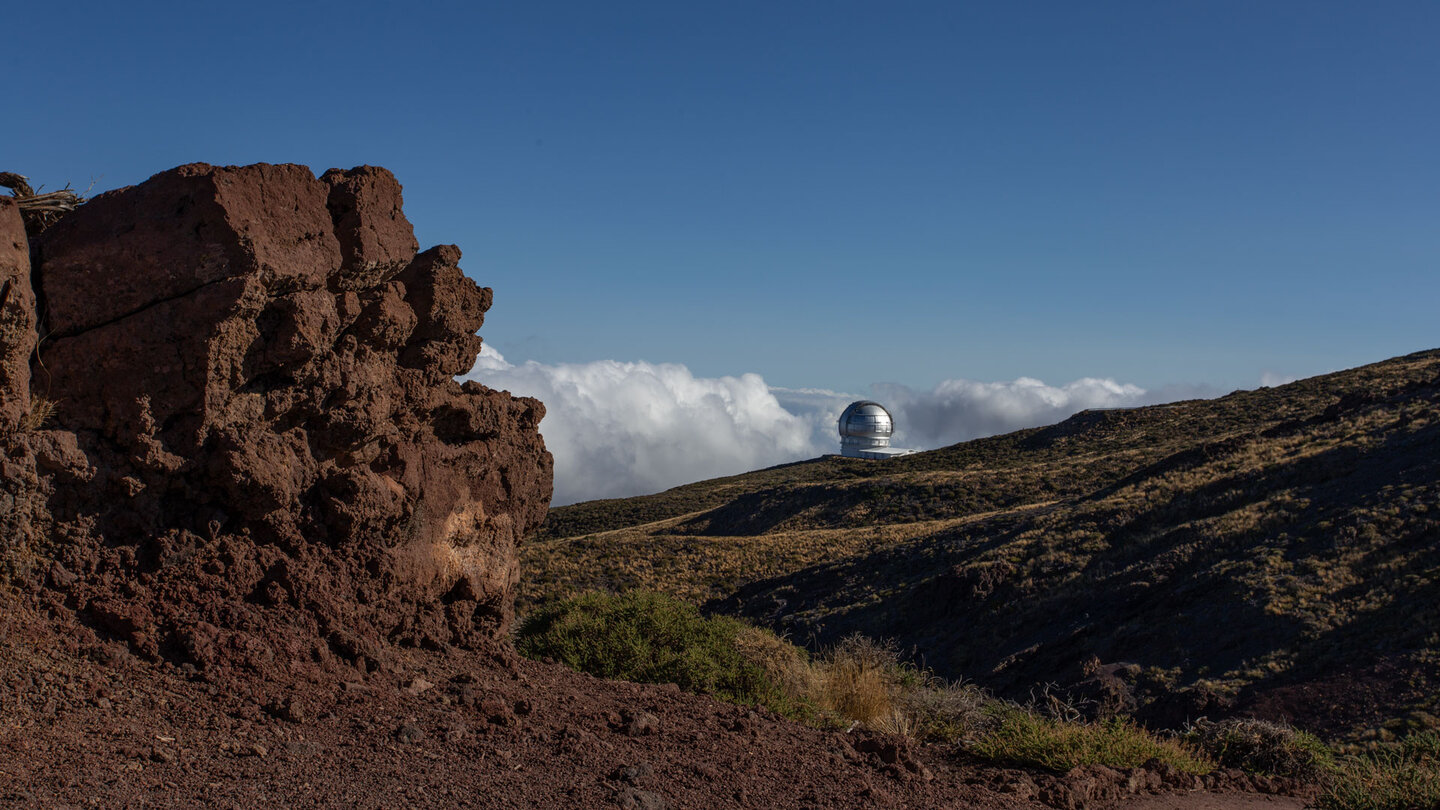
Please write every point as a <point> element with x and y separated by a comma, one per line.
<point>85,724</point>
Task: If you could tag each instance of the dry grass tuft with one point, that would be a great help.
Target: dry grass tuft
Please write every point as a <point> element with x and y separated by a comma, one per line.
<point>1259,745</point>
<point>782,662</point>
<point>859,680</point>
<point>41,411</point>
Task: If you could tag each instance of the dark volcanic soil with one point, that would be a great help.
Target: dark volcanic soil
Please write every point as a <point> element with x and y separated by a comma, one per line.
<point>85,724</point>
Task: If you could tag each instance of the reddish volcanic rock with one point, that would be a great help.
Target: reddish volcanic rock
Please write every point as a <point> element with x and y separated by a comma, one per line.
<point>261,372</point>
<point>184,229</point>
<point>17,317</point>
<point>376,239</point>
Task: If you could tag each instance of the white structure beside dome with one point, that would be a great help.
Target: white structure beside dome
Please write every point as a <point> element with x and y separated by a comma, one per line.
<point>865,430</point>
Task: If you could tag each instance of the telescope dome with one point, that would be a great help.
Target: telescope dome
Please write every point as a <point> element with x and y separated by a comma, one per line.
<point>867,420</point>
<point>865,429</point>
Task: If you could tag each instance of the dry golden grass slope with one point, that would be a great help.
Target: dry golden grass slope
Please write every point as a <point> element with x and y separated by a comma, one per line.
<point>1274,551</point>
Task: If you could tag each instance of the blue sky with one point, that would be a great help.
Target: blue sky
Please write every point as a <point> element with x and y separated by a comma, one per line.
<point>827,194</point>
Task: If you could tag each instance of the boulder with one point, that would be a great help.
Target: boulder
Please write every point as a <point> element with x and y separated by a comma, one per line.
<point>260,371</point>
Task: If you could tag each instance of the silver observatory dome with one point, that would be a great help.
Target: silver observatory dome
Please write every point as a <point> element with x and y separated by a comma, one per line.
<point>865,429</point>
<point>865,424</point>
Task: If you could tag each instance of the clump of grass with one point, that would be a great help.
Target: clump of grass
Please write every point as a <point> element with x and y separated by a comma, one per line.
<point>653,638</point>
<point>1026,738</point>
<point>1260,746</point>
<point>863,681</point>
<point>859,680</point>
<point>40,413</point>
<point>947,712</point>
<point>1397,777</point>
<point>786,665</point>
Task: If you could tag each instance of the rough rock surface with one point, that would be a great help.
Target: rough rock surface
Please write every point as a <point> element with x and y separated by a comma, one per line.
<point>261,456</point>
<point>17,317</point>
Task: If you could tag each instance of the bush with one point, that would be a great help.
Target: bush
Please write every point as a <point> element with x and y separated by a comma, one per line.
<point>653,638</point>
<point>1262,747</point>
<point>1397,777</point>
<point>1023,737</point>
<point>947,712</point>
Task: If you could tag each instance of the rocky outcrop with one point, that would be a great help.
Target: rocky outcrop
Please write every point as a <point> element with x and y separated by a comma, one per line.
<point>17,317</point>
<point>261,456</point>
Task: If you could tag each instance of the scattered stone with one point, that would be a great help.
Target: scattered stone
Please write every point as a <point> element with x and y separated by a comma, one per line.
<point>417,685</point>
<point>409,733</point>
<point>497,713</point>
<point>639,724</point>
<point>633,774</point>
<point>634,799</point>
<point>289,709</point>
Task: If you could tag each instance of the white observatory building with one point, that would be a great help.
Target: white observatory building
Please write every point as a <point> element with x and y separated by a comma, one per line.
<point>865,429</point>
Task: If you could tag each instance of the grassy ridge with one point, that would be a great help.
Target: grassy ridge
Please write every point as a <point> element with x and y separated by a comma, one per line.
<point>1251,548</point>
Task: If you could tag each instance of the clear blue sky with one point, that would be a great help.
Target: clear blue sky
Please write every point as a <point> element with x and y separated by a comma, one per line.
<point>827,193</point>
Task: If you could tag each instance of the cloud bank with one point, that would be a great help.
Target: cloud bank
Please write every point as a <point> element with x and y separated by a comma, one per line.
<point>619,429</point>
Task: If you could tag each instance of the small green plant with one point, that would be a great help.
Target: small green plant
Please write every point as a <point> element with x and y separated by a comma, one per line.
<point>1023,737</point>
<point>653,638</point>
<point>1400,776</point>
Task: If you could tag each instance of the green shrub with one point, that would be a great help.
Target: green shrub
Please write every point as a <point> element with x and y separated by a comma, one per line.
<point>1398,777</point>
<point>653,638</point>
<point>1025,738</point>
<point>1259,746</point>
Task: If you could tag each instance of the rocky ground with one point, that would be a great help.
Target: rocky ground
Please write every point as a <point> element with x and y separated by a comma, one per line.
<point>86,724</point>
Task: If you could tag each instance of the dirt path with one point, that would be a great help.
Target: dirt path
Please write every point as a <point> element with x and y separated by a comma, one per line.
<point>1212,801</point>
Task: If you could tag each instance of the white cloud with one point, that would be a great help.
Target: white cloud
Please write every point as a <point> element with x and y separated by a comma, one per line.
<point>1271,379</point>
<point>959,410</point>
<point>620,429</point>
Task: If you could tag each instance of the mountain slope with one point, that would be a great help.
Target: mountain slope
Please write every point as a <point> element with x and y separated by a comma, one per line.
<point>1269,548</point>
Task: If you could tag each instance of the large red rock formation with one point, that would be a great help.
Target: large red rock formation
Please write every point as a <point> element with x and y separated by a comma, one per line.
<point>17,317</point>
<point>260,455</point>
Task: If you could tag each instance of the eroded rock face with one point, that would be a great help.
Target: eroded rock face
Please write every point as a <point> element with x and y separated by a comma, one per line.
<point>17,317</point>
<point>259,369</point>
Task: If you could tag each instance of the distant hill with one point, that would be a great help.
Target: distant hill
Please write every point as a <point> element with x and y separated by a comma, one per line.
<point>1273,551</point>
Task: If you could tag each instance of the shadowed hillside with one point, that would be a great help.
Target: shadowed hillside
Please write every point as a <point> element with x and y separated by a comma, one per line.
<point>1273,551</point>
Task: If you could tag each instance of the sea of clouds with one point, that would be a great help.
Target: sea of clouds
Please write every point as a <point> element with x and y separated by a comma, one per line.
<point>618,429</point>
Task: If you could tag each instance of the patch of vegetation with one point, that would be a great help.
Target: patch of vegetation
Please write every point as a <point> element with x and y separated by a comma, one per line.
<point>1397,776</point>
<point>653,638</point>
<point>1030,739</point>
<point>1259,746</point>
